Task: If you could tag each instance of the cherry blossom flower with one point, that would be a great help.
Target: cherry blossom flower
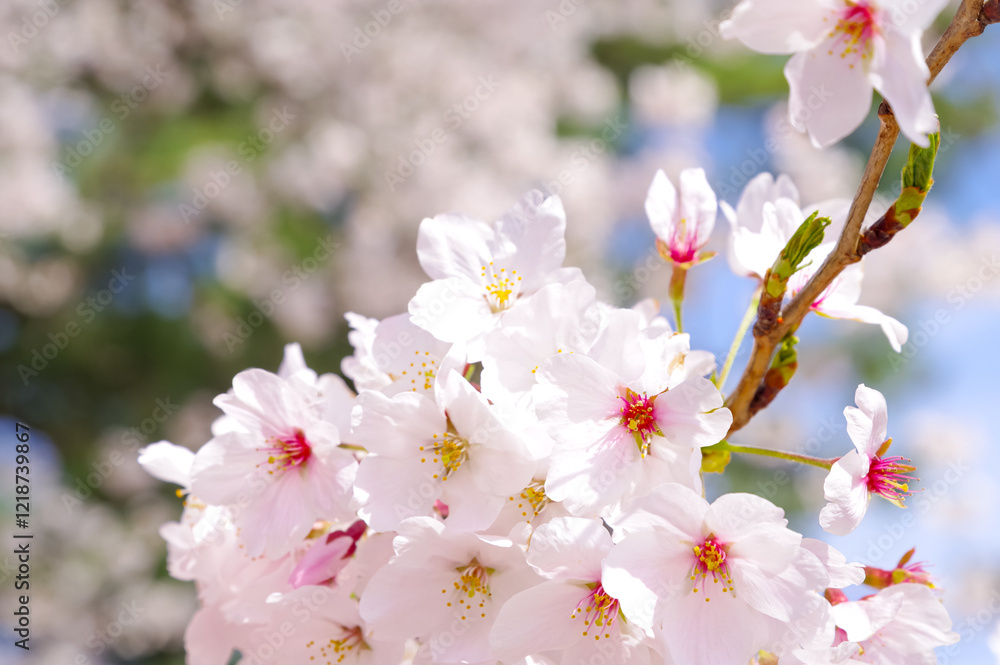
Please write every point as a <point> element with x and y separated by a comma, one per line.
<point>842,50</point>
<point>481,271</point>
<point>445,588</point>
<point>279,458</point>
<point>901,624</point>
<point>570,612</point>
<point>725,579</point>
<point>682,220</point>
<point>327,629</point>
<point>865,471</point>
<point>627,418</point>
<point>455,449</point>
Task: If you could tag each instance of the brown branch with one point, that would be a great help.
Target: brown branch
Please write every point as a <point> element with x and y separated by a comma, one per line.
<point>970,20</point>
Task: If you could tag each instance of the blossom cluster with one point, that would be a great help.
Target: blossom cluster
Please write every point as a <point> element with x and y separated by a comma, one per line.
<point>518,478</point>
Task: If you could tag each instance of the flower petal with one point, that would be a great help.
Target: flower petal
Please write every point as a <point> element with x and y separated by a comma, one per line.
<point>827,97</point>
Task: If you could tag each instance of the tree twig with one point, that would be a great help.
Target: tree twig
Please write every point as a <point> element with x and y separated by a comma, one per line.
<point>970,21</point>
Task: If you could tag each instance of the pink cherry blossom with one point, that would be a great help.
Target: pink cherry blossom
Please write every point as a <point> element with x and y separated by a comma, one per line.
<point>569,612</point>
<point>278,455</point>
<point>725,579</point>
<point>445,588</point>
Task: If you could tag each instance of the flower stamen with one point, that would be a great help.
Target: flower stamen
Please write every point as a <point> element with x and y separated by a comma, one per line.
<point>287,452</point>
<point>710,561</point>
<point>639,418</point>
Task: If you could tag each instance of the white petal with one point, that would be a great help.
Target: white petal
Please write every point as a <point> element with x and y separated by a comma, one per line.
<point>692,413</point>
<point>699,205</point>
<point>778,26</point>
<point>827,98</point>
<point>908,16</point>
<point>661,206</point>
<point>536,226</point>
<point>872,403</point>
<point>721,632</point>
<point>847,494</point>
<point>842,573</point>
<point>167,462</point>
<point>454,246</point>
<point>901,76</point>
<point>861,619</point>
<point>395,489</point>
<point>453,309</point>
<point>640,581</point>
<point>537,619</point>
<point>569,548</point>
<point>589,388</point>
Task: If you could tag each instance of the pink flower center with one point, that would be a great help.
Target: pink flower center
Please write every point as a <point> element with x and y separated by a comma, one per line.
<point>288,452</point>
<point>683,244</point>
<point>599,611</point>
<point>888,476</point>
<point>639,418</point>
<point>856,25</point>
<point>710,561</point>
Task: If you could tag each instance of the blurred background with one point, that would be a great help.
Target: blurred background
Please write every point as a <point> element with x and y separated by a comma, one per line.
<point>187,185</point>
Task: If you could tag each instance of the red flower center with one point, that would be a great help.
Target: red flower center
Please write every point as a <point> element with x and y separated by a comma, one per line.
<point>639,418</point>
<point>888,476</point>
<point>288,452</point>
<point>856,25</point>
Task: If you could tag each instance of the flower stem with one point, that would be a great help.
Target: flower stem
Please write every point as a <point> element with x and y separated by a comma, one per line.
<point>741,332</point>
<point>677,278</point>
<point>791,457</point>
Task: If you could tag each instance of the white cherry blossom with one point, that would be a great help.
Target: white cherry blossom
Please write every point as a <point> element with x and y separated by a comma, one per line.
<point>843,49</point>
<point>445,588</point>
<point>570,612</point>
<point>453,448</point>
<point>481,271</point>
<point>865,471</point>
<point>725,578</point>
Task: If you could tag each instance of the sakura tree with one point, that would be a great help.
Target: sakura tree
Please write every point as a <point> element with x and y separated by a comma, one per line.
<point>517,475</point>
